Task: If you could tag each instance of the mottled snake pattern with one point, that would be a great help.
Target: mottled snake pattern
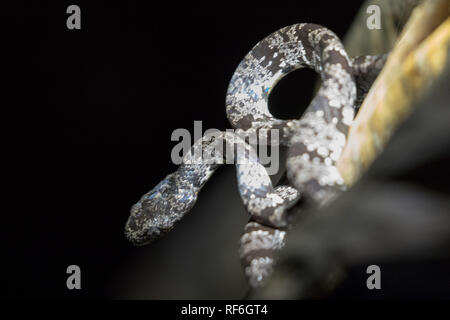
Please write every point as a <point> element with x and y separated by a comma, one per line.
<point>314,142</point>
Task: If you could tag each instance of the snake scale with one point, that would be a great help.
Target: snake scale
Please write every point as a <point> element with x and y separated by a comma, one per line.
<point>314,142</point>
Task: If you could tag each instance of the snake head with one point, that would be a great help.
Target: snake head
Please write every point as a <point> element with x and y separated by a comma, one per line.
<point>157,211</point>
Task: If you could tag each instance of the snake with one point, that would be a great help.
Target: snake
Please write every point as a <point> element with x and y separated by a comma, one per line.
<point>314,141</point>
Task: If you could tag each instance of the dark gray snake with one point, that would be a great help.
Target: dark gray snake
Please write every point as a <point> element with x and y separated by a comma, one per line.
<point>315,143</point>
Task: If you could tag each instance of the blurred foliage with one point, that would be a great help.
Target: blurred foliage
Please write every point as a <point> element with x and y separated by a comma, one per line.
<point>400,209</point>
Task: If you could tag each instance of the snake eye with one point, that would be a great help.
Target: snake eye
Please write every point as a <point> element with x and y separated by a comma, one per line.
<point>151,196</point>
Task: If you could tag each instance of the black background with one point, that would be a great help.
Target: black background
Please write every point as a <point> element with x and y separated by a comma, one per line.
<point>87,125</point>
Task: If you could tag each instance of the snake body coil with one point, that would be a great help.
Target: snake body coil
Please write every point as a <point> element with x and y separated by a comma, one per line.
<point>315,143</point>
